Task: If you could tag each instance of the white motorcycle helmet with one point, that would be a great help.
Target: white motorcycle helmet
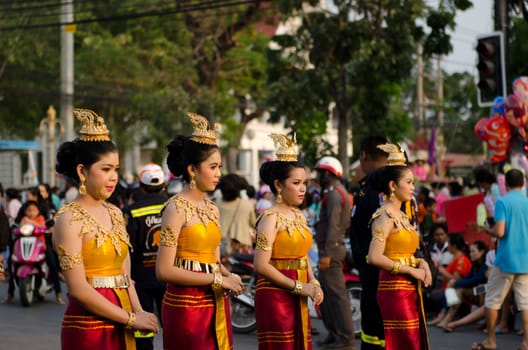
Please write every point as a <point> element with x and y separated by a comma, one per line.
<point>331,164</point>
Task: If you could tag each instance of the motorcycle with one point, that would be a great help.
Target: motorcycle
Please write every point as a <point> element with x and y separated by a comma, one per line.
<point>28,263</point>
<point>243,305</point>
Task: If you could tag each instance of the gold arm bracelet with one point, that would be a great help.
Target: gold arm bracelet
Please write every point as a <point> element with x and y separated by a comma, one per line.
<point>217,281</point>
<point>315,282</point>
<point>298,288</point>
<point>131,320</point>
<point>396,268</point>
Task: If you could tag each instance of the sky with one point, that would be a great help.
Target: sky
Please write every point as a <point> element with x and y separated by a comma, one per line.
<point>469,24</point>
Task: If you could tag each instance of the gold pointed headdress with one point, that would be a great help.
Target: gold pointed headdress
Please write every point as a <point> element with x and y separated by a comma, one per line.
<point>202,132</point>
<point>285,148</point>
<point>396,154</point>
<point>93,126</point>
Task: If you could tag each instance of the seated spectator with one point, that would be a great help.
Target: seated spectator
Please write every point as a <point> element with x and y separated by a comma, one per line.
<point>457,269</point>
<point>464,286</point>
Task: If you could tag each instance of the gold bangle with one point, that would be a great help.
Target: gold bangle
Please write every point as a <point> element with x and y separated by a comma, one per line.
<point>298,288</point>
<point>396,268</point>
<point>316,282</point>
<point>131,320</point>
<point>217,281</point>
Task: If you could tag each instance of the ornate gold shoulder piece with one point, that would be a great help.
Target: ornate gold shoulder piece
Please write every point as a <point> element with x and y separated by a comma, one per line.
<point>396,154</point>
<point>285,148</point>
<point>93,126</point>
<point>202,132</point>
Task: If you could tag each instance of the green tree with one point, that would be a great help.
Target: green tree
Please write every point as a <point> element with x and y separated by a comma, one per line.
<point>355,55</point>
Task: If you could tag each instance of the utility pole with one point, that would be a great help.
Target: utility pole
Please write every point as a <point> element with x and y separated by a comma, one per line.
<point>66,93</point>
<point>419,90</point>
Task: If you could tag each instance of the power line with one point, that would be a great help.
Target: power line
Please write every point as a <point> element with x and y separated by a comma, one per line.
<point>178,9</point>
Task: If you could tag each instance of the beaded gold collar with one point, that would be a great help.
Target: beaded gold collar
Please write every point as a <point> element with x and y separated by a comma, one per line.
<point>90,225</point>
<point>400,220</point>
<point>298,222</point>
<point>205,214</point>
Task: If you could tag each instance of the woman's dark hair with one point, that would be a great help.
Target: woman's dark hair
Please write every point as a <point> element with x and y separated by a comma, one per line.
<point>251,191</point>
<point>436,226</point>
<point>230,185</point>
<point>481,247</point>
<point>73,153</point>
<point>183,151</point>
<point>277,170</point>
<point>456,240</point>
<point>12,193</point>
<point>379,179</point>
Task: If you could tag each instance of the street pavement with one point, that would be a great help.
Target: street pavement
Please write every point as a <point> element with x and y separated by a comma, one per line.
<point>38,327</point>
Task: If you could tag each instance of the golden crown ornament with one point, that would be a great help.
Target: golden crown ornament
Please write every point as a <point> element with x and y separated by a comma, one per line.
<point>202,132</point>
<point>285,148</point>
<point>93,126</point>
<point>396,154</point>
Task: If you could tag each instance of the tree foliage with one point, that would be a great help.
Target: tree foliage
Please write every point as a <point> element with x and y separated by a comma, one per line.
<point>356,56</point>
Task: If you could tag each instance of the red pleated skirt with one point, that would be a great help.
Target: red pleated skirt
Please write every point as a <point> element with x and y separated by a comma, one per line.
<point>82,330</point>
<point>190,319</point>
<point>283,321</point>
<point>401,305</point>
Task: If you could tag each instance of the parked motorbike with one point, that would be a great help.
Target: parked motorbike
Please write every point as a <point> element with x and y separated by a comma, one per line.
<point>243,305</point>
<point>28,263</point>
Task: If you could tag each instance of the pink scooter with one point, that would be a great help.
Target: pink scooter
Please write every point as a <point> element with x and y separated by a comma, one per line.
<point>28,263</point>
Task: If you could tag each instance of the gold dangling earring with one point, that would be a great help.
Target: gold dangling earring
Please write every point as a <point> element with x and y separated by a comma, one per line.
<point>391,197</point>
<point>279,197</point>
<point>82,187</point>
<point>192,183</point>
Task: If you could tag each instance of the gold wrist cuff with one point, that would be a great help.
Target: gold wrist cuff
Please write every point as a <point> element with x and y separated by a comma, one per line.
<point>316,282</point>
<point>131,320</point>
<point>298,288</point>
<point>396,268</point>
<point>217,281</point>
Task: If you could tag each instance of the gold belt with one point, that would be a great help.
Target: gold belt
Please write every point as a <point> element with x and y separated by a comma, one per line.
<point>194,265</point>
<point>292,264</point>
<point>408,261</point>
<point>117,281</point>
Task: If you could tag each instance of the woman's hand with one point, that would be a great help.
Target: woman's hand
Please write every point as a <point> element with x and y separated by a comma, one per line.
<point>428,275</point>
<point>450,283</point>
<point>233,283</point>
<point>146,321</point>
<point>418,273</point>
<point>318,295</point>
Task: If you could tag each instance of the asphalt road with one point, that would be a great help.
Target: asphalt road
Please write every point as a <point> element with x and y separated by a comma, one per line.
<point>38,327</point>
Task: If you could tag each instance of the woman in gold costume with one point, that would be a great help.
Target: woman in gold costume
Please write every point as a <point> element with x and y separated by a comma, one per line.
<point>285,276</point>
<point>394,242</point>
<point>92,244</point>
<point>195,310</point>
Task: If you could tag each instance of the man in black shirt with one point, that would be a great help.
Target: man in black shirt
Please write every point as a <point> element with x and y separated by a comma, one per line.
<point>366,201</point>
<point>143,226</point>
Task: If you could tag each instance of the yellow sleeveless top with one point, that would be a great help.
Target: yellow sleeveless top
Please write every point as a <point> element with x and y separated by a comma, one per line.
<point>198,242</point>
<point>295,240</point>
<point>403,241</point>
<point>104,254</point>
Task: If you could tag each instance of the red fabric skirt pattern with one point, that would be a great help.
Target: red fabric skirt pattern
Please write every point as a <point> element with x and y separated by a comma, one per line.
<point>283,321</point>
<point>82,330</point>
<point>190,320</point>
<point>401,306</point>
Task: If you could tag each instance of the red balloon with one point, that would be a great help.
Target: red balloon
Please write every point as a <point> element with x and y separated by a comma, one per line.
<point>497,133</point>
<point>480,128</point>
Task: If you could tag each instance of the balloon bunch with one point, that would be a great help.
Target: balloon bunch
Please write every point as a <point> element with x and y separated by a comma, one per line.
<point>495,131</point>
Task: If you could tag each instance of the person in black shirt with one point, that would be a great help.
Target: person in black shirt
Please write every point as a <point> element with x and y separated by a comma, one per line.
<point>367,200</point>
<point>143,226</point>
